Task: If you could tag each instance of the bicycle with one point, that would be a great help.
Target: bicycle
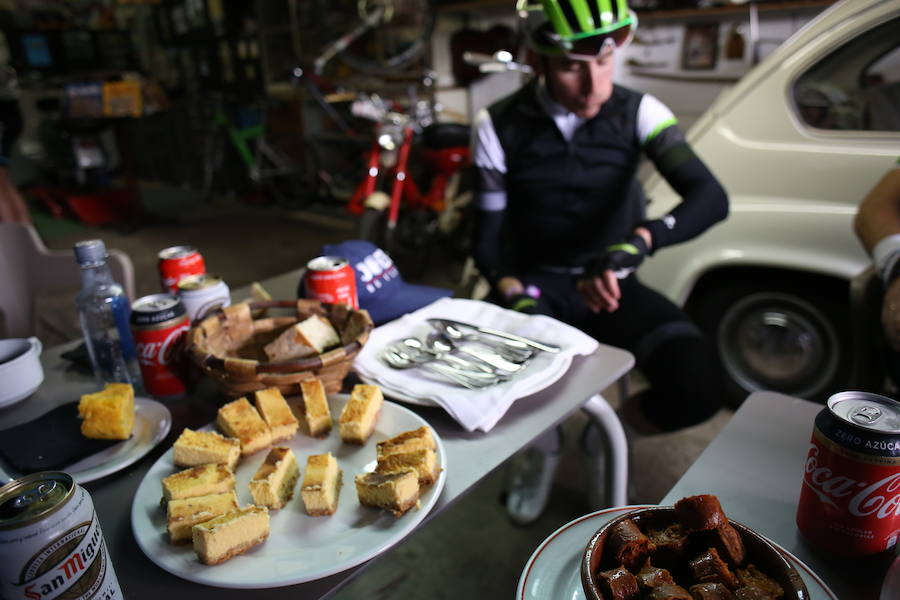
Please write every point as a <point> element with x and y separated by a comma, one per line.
<point>266,167</point>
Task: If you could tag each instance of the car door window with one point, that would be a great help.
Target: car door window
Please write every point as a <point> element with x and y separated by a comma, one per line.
<point>856,87</point>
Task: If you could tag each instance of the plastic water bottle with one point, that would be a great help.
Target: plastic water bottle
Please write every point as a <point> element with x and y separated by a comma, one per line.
<point>103,310</point>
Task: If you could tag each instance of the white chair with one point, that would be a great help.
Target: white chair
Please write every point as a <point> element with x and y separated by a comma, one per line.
<point>28,268</point>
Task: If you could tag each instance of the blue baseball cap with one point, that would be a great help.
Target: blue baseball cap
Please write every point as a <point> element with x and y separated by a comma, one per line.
<point>379,286</point>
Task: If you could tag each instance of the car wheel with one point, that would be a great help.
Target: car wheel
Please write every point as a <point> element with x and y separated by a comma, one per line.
<point>784,338</point>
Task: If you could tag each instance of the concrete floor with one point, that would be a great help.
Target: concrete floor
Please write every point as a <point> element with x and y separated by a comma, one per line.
<point>472,550</point>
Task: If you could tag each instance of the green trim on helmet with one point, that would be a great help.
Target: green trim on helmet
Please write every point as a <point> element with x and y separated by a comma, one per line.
<point>585,25</point>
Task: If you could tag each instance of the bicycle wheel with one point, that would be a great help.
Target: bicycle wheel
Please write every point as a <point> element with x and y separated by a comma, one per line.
<point>396,41</point>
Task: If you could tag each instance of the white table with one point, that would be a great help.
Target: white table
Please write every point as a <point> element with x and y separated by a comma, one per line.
<point>755,467</point>
<point>469,456</point>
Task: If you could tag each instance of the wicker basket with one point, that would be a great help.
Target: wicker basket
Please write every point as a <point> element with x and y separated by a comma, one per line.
<point>228,346</point>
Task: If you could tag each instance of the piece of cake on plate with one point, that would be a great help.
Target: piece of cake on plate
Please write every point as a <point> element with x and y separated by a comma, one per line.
<point>277,414</point>
<point>397,491</point>
<point>424,461</point>
<point>183,514</point>
<point>408,441</point>
<point>233,533</point>
<point>310,337</point>
<point>194,448</point>
<point>109,413</point>
<point>358,418</point>
<point>321,485</point>
<point>240,420</point>
<point>198,481</point>
<point>273,484</point>
<point>316,411</point>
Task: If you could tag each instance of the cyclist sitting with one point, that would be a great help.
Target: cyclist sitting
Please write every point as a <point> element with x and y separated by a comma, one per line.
<point>561,230</point>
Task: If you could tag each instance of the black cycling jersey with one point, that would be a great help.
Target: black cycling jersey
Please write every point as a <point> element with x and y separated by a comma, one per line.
<point>565,200</point>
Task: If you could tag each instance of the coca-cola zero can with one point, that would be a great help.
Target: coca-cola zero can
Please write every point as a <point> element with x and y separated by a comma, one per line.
<point>176,263</point>
<point>159,323</point>
<point>202,294</point>
<point>51,545</point>
<point>850,499</point>
<point>331,279</point>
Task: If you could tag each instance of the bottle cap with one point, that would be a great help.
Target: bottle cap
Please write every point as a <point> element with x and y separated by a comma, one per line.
<point>90,251</point>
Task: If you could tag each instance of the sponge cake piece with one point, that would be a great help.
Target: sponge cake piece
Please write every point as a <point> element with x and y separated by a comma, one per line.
<point>307,338</point>
<point>239,419</point>
<point>109,413</point>
<point>273,484</point>
<point>424,461</point>
<point>194,448</point>
<point>321,485</point>
<point>277,414</point>
<point>396,492</point>
<point>316,411</point>
<point>408,441</point>
<point>357,420</point>
<point>183,514</point>
<point>226,536</point>
<point>198,481</point>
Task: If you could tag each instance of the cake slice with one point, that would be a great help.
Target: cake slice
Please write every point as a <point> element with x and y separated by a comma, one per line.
<point>316,410</point>
<point>357,420</point>
<point>194,448</point>
<point>109,413</point>
<point>321,485</point>
<point>424,461</point>
<point>273,484</point>
<point>397,491</point>
<point>183,514</point>
<point>198,481</point>
<point>233,533</point>
<point>240,420</point>
<point>408,441</point>
<point>277,414</point>
<point>307,338</point>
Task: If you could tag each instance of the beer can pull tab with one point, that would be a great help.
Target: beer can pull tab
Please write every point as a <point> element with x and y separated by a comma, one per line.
<point>865,415</point>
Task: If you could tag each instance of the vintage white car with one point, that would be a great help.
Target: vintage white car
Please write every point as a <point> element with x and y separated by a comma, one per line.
<point>798,142</point>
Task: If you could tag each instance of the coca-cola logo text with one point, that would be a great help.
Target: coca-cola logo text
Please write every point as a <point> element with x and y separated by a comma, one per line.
<point>880,499</point>
<point>160,352</point>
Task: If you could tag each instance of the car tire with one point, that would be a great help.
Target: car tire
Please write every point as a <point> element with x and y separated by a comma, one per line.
<point>788,337</point>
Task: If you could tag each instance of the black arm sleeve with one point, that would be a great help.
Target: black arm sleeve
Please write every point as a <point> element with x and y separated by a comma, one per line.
<point>488,250</point>
<point>703,199</point>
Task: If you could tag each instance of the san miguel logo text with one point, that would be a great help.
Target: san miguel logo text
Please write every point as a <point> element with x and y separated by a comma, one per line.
<point>879,499</point>
<point>72,566</point>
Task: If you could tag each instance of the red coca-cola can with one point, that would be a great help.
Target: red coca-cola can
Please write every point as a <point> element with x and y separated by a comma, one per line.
<point>176,263</point>
<point>159,323</point>
<point>331,279</point>
<point>850,499</point>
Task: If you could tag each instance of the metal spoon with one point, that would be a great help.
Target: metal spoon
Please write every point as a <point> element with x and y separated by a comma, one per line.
<point>490,357</point>
<point>443,351</point>
<point>510,350</point>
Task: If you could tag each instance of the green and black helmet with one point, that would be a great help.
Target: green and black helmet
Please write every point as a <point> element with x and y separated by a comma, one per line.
<point>579,29</point>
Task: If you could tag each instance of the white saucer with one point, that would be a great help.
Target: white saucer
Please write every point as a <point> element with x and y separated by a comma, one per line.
<point>554,569</point>
<point>152,422</point>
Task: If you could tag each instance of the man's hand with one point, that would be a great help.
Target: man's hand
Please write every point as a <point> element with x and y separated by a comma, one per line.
<point>622,258</point>
<point>600,286</point>
<point>890,314</point>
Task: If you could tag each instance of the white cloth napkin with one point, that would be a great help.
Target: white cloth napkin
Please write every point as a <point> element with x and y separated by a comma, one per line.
<point>474,409</point>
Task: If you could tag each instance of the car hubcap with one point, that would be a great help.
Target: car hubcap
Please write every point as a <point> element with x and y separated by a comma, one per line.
<point>778,342</point>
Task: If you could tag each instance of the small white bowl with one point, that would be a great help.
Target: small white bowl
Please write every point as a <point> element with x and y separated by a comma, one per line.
<point>20,369</point>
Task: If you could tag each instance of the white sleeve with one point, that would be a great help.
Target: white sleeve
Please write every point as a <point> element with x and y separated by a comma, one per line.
<point>488,153</point>
<point>653,117</point>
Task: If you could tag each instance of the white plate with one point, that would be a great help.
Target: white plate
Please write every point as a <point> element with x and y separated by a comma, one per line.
<point>152,422</point>
<point>554,569</point>
<point>554,368</point>
<point>299,548</point>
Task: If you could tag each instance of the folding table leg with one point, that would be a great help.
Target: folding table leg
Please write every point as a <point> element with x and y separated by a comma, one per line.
<point>614,456</point>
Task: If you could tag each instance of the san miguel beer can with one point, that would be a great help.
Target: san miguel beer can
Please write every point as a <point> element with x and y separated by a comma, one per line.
<point>850,499</point>
<point>202,294</point>
<point>176,263</point>
<point>331,279</point>
<point>159,323</point>
<point>51,545</point>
